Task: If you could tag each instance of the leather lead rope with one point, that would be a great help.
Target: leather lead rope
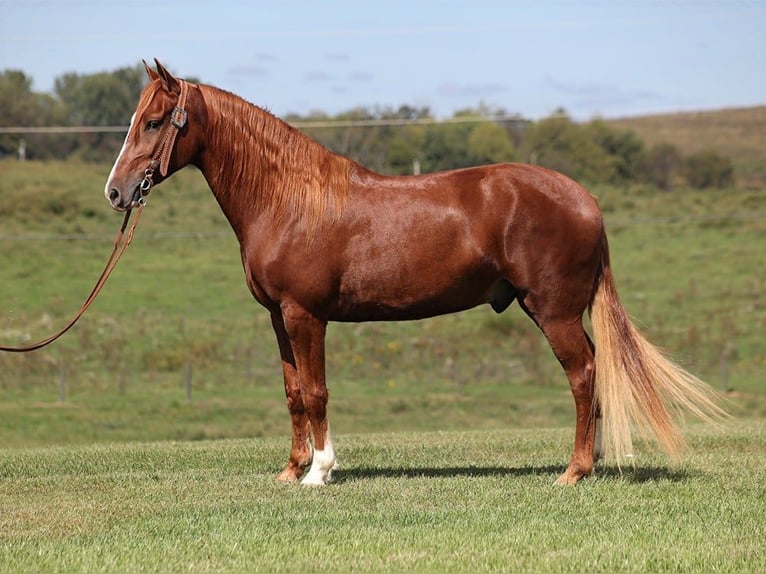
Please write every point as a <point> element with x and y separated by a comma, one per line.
<point>121,242</point>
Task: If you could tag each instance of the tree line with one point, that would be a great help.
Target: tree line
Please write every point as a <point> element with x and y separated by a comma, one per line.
<point>391,140</point>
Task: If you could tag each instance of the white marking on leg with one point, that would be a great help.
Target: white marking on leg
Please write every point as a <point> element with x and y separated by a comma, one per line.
<point>598,453</point>
<point>119,155</point>
<point>322,465</point>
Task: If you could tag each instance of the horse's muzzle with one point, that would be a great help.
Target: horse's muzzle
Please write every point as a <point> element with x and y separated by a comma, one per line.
<point>119,202</point>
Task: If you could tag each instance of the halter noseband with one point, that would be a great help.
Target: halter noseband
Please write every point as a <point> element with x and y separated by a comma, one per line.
<point>161,157</point>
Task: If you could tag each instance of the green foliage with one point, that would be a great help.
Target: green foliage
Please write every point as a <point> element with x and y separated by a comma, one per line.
<point>102,99</point>
<point>623,149</point>
<point>591,152</point>
<point>684,269</point>
<point>735,133</point>
<point>19,106</point>
<point>559,143</point>
<point>490,143</point>
<point>660,165</point>
<point>707,168</point>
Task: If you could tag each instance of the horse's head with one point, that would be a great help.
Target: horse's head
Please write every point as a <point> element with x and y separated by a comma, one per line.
<point>158,141</point>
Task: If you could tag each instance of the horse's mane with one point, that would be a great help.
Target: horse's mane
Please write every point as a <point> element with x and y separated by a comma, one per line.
<point>268,163</point>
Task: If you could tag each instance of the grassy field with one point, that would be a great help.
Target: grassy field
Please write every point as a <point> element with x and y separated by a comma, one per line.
<point>407,502</point>
<point>689,266</point>
<point>105,463</point>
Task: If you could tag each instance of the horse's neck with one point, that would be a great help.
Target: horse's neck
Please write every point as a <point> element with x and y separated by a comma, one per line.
<point>259,167</point>
<point>232,158</point>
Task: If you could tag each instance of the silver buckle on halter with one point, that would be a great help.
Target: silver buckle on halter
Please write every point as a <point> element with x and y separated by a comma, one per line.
<point>146,185</point>
<point>178,117</point>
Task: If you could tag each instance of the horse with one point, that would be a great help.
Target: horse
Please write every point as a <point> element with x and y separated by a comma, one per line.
<point>323,238</point>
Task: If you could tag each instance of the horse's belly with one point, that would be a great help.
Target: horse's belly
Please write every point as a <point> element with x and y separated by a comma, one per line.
<point>413,299</point>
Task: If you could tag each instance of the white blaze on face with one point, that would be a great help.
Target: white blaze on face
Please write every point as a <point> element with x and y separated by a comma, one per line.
<point>108,185</point>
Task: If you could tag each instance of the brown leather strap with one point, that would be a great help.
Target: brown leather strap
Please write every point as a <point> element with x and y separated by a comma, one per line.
<point>161,159</point>
<point>121,242</point>
<point>177,122</point>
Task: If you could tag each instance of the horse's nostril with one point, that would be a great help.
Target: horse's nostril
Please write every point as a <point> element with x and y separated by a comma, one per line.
<point>114,195</point>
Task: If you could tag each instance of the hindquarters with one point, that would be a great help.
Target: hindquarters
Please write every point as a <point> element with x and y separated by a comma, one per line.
<point>558,261</point>
<point>553,244</point>
<point>552,258</point>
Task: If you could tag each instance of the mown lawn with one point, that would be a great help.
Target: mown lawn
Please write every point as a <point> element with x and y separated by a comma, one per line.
<point>479,501</point>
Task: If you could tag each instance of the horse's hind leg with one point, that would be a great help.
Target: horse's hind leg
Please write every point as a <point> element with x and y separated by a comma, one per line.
<point>300,452</point>
<point>574,350</point>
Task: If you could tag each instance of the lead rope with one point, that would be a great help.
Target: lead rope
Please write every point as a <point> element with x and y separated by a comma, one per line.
<point>160,160</point>
<point>121,242</point>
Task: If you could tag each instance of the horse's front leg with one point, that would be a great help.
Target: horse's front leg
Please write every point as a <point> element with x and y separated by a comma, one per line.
<point>307,341</point>
<point>300,452</point>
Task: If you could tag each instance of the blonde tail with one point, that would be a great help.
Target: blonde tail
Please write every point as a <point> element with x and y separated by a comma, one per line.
<point>636,384</point>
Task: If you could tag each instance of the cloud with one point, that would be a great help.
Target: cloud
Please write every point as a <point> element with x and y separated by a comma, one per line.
<point>265,57</point>
<point>593,95</point>
<point>360,77</point>
<point>338,57</point>
<point>452,89</point>
<point>247,70</point>
<point>317,77</point>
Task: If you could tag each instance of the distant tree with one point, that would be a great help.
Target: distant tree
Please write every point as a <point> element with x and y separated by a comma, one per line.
<point>623,148</point>
<point>559,143</point>
<point>445,146</point>
<point>404,149</point>
<point>386,147</point>
<point>708,168</point>
<point>20,106</point>
<point>489,142</point>
<point>102,99</point>
<point>659,165</point>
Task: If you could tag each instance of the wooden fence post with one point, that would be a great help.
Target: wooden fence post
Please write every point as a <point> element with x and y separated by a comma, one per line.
<point>62,383</point>
<point>188,381</point>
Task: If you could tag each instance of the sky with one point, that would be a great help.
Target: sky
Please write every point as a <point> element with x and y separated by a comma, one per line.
<point>593,58</point>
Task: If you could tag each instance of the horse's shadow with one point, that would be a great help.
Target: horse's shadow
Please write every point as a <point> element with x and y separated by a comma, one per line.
<point>638,475</point>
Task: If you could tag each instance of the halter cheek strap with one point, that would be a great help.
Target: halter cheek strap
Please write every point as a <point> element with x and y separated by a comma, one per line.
<point>177,121</point>
<point>161,158</point>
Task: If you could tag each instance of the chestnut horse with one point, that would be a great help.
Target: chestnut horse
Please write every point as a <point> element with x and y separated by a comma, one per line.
<point>324,239</point>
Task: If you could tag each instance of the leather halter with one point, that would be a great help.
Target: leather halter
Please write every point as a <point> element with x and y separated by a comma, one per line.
<point>161,157</point>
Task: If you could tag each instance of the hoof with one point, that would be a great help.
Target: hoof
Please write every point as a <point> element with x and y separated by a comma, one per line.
<point>570,477</point>
<point>290,474</point>
<point>317,479</point>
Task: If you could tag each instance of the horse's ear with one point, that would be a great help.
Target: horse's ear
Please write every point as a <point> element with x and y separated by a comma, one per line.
<point>168,81</point>
<point>149,72</point>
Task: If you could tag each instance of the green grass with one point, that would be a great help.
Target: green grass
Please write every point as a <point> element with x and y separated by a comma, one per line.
<point>479,501</point>
<point>107,465</point>
<point>688,267</point>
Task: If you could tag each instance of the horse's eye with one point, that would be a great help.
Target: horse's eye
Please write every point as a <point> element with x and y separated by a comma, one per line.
<point>153,124</point>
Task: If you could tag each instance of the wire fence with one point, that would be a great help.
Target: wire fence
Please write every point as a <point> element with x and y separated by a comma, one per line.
<point>159,235</point>
<point>302,124</point>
